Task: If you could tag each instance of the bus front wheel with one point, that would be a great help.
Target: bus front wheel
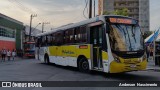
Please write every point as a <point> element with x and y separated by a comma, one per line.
<point>83,65</point>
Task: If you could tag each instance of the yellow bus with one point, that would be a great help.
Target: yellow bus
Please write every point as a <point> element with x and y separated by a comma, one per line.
<point>111,44</point>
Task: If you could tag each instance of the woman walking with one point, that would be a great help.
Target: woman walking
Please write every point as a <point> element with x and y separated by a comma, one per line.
<point>13,54</point>
<point>8,54</point>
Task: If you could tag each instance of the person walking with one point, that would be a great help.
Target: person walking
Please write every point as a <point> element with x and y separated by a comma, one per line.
<point>3,54</point>
<point>148,52</point>
<point>13,54</point>
<point>8,54</point>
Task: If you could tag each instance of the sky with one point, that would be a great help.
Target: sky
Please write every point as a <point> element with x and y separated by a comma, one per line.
<point>59,12</point>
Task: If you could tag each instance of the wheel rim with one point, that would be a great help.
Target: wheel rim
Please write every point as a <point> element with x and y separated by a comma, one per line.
<point>85,65</point>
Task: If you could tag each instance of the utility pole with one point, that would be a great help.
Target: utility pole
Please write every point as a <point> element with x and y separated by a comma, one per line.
<point>90,8</point>
<point>94,8</point>
<point>31,26</point>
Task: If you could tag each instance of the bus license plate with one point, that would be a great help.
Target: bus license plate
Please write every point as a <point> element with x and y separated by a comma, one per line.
<point>133,66</point>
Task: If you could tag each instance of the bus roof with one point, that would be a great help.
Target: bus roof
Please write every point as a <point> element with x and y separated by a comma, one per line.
<point>72,25</point>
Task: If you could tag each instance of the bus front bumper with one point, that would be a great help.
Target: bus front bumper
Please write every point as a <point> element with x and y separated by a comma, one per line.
<point>123,67</point>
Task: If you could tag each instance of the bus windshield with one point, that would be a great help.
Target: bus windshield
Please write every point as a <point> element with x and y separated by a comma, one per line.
<point>30,46</point>
<point>126,37</point>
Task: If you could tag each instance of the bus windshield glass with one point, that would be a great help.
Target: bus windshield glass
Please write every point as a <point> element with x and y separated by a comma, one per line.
<point>30,46</point>
<point>126,37</point>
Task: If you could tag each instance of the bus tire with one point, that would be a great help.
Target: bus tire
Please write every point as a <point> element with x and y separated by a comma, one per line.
<point>83,65</point>
<point>46,59</point>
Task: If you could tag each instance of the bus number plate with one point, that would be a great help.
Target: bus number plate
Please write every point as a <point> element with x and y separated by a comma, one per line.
<point>133,66</point>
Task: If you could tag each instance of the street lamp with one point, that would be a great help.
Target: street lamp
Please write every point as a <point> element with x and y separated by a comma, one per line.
<point>44,23</point>
<point>36,26</point>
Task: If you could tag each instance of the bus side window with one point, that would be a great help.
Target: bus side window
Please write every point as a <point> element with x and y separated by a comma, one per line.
<point>72,38</point>
<point>48,40</point>
<point>53,39</point>
<point>43,41</point>
<point>83,34</point>
<point>77,35</point>
<point>66,39</point>
<point>59,39</point>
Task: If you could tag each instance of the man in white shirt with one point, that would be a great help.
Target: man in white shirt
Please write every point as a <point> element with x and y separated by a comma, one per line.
<point>8,54</point>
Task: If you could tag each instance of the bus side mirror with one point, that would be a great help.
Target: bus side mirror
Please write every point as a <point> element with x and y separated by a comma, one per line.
<point>107,28</point>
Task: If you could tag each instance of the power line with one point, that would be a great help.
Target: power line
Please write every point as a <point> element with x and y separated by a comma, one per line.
<point>18,4</point>
<point>26,9</point>
<point>86,2</point>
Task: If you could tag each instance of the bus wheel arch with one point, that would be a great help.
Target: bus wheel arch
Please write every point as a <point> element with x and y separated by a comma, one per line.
<point>83,64</point>
<point>46,59</point>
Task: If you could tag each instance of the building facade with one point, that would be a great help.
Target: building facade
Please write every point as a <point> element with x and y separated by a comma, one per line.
<point>138,9</point>
<point>10,33</point>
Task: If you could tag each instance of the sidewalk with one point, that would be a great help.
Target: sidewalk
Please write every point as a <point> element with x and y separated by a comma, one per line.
<point>15,59</point>
<point>151,65</point>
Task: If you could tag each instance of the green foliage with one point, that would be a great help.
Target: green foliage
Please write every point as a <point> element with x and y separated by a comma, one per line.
<point>106,13</point>
<point>147,34</point>
<point>123,12</point>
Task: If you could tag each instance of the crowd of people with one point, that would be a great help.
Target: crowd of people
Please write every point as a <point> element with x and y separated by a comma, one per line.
<point>10,55</point>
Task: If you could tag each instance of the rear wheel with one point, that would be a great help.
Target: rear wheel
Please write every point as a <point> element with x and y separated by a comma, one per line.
<point>83,65</point>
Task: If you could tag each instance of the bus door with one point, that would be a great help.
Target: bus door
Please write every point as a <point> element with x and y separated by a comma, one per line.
<point>96,41</point>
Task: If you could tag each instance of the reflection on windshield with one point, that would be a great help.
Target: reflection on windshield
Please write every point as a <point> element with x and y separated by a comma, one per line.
<point>30,46</point>
<point>126,38</point>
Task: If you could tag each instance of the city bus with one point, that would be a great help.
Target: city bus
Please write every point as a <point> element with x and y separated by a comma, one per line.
<point>110,44</point>
<point>29,49</point>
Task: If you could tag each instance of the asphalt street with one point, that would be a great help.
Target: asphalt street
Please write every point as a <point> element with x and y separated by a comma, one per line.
<point>34,70</point>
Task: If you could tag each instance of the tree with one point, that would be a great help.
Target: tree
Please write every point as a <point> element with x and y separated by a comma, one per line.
<point>123,12</point>
<point>106,13</point>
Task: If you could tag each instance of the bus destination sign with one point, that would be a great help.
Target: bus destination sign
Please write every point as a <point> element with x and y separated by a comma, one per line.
<point>122,21</point>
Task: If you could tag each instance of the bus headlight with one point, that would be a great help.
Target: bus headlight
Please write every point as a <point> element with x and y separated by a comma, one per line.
<point>140,60</point>
<point>117,59</point>
<point>144,57</point>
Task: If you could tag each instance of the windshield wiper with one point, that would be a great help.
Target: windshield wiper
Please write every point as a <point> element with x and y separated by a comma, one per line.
<point>120,28</point>
<point>130,47</point>
<point>133,34</point>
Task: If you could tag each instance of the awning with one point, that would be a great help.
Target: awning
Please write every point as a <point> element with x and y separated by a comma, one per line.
<point>152,37</point>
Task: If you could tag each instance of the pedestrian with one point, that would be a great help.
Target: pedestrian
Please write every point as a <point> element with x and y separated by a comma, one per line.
<point>8,54</point>
<point>148,52</point>
<point>13,54</point>
<point>3,54</point>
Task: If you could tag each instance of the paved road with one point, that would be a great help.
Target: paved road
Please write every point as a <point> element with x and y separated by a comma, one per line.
<point>33,70</point>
